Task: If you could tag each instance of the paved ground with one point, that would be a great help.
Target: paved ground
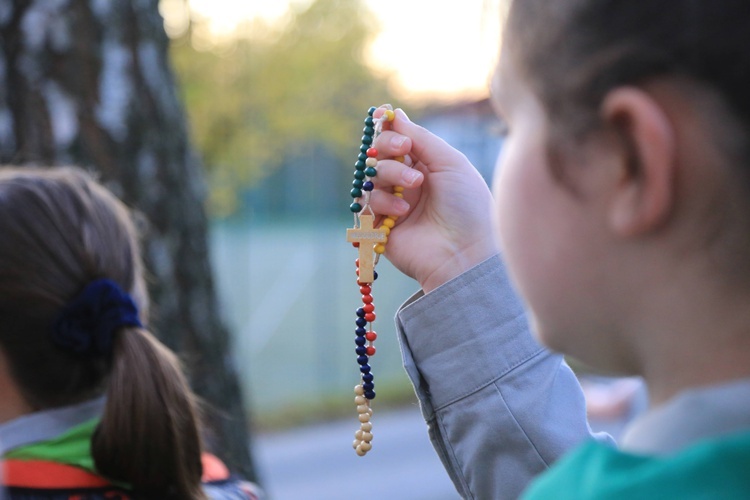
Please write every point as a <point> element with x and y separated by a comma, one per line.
<point>318,462</point>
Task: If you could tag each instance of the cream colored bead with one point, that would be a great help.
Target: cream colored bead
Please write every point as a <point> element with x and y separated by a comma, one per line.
<point>367,426</point>
<point>359,390</point>
<point>364,417</point>
<point>359,434</point>
<point>362,452</point>
<point>360,400</point>
<point>365,446</point>
<point>367,437</point>
<point>371,162</point>
<point>356,443</point>
<point>362,408</point>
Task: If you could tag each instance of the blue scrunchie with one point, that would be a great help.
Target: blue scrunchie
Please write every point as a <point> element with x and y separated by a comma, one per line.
<point>88,323</point>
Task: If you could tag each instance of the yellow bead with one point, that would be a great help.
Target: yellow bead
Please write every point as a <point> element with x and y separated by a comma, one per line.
<point>398,195</point>
<point>398,189</point>
<point>389,222</point>
<point>371,162</point>
<point>390,115</point>
<point>364,417</point>
<point>379,249</point>
<point>386,230</point>
<point>400,158</point>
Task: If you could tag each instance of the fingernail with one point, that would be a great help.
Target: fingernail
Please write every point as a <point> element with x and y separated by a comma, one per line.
<point>401,205</point>
<point>410,176</point>
<point>402,112</point>
<point>398,140</point>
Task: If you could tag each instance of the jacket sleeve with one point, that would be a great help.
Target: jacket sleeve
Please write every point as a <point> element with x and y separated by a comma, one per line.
<point>499,408</point>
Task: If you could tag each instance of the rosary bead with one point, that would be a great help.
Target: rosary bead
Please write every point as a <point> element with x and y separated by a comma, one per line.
<point>362,360</point>
<point>365,368</point>
<point>359,390</point>
<point>360,341</point>
<point>370,317</point>
<point>367,308</point>
<point>367,426</point>
<point>364,417</point>
<point>379,248</point>
<point>371,336</point>
<point>371,162</point>
<point>360,451</point>
<point>355,445</point>
<point>366,299</point>
<point>361,312</point>
<point>367,377</point>
<point>398,189</point>
<point>359,175</point>
<point>366,436</point>
<point>365,289</point>
<point>363,409</point>
<point>368,130</point>
<point>356,193</point>
<point>358,183</point>
<point>371,110</point>
<point>369,121</point>
<point>372,153</point>
<point>370,350</point>
<point>370,394</point>
<point>368,386</point>
<point>386,230</point>
<point>355,207</point>
<point>389,221</point>
<point>398,195</point>
<point>358,436</point>
<point>360,400</point>
<point>361,322</point>
<point>361,332</point>
<point>374,275</point>
<point>390,115</point>
<point>360,165</point>
<point>368,186</point>
<point>399,159</point>
<point>371,172</point>
<point>366,139</point>
<point>365,447</point>
<point>360,350</point>
<point>363,151</point>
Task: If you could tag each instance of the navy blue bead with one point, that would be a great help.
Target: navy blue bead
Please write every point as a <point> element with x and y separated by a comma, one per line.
<point>361,312</point>
<point>363,150</point>
<point>371,110</point>
<point>360,341</point>
<point>366,139</point>
<point>365,369</point>
<point>370,394</point>
<point>371,172</point>
<point>367,377</point>
<point>360,165</point>
<point>362,156</point>
<point>361,332</point>
<point>374,275</point>
<point>361,350</point>
<point>361,322</point>
<point>362,360</point>
<point>368,130</point>
<point>368,186</point>
<point>368,386</point>
<point>358,183</point>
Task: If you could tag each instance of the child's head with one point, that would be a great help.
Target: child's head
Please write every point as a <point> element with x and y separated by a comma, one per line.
<point>61,232</point>
<point>627,157</point>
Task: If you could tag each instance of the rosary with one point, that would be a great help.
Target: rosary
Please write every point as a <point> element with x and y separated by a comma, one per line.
<point>370,242</point>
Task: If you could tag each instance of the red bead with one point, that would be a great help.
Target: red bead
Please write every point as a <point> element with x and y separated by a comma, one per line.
<point>370,350</point>
<point>368,308</point>
<point>370,317</point>
<point>356,262</point>
<point>360,283</point>
<point>355,244</point>
<point>371,336</point>
<point>357,271</point>
<point>372,153</point>
<point>365,290</point>
<point>366,298</point>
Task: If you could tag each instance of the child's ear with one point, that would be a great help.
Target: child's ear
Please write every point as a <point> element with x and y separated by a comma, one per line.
<point>644,195</point>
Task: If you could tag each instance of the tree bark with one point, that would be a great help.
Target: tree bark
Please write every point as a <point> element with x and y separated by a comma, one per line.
<point>88,82</point>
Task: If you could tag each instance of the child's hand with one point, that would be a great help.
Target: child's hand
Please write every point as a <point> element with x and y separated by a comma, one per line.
<point>446,228</point>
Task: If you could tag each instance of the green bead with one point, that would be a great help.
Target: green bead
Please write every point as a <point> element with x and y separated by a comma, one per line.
<point>371,110</point>
<point>368,131</point>
<point>366,139</point>
<point>371,172</point>
<point>355,207</point>
<point>362,156</point>
<point>356,193</point>
<point>358,183</point>
<point>363,150</point>
<point>359,174</point>
<point>369,121</point>
<point>360,165</point>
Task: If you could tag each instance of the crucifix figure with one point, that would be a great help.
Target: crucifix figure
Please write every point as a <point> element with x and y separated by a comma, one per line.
<point>366,235</point>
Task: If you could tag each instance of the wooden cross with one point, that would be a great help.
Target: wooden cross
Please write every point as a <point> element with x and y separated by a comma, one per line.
<point>366,235</point>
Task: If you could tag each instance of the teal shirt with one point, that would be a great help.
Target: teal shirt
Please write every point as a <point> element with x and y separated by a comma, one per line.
<point>710,469</point>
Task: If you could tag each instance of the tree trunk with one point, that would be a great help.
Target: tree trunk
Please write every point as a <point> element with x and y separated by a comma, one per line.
<point>88,82</point>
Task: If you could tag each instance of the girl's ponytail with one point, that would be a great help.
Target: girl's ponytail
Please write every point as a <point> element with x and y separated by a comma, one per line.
<point>148,435</point>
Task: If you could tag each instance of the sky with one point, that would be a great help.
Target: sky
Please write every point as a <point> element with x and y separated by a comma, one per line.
<point>430,49</point>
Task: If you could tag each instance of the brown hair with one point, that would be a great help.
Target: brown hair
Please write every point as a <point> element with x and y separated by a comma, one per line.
<point>61,231</point>
<point>573,52</point>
